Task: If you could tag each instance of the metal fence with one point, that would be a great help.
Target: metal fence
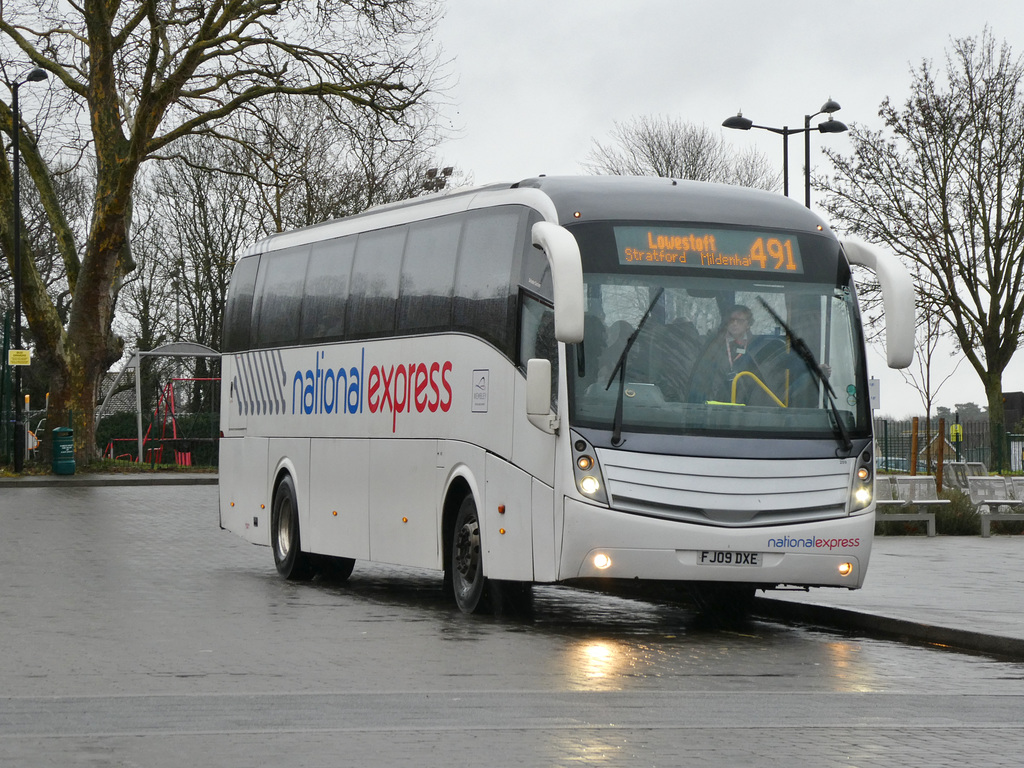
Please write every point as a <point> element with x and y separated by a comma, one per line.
<point>961,442</point>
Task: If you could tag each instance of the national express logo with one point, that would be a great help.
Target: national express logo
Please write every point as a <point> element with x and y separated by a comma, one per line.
<point>791,543</point>
<point>264,386</point>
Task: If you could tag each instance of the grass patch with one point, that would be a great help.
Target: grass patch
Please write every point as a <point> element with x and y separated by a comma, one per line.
<point>107,467</point>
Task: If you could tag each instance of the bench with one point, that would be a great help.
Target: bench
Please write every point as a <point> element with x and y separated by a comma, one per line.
<point>919,492</point>
<point>956,474</point>
<point>912,493</point>
<point>989,492</point>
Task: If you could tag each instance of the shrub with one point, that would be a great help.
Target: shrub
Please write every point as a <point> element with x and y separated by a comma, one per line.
<point>958,518</point>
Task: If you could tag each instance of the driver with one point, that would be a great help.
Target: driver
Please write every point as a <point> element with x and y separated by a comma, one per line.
<point>733,350</point>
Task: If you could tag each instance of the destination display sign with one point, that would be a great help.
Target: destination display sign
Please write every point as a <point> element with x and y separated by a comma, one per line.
<point>710,249</point>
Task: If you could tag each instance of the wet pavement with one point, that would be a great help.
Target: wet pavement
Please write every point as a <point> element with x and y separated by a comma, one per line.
<point>135,632</point>
<point>963,591</point>
<point>917,586</point>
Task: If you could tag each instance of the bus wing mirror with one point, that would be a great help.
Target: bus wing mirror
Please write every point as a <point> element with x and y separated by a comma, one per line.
<point>563,254</point>
<point>538,395</point>
<point>897,301</point>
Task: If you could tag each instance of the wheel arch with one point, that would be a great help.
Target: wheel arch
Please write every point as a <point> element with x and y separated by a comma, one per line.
<point>285,468</point>
<point>459,487</point>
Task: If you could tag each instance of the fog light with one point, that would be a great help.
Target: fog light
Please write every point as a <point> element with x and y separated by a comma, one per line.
<point>602,561</point>
<point>845,569</point>
<point>589,485</point>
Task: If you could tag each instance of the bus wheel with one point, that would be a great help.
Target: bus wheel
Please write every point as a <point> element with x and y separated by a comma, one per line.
<point>467,564</point>
<point>291,561</point>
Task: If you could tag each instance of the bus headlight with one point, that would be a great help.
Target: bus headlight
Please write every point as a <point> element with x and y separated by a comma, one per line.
<point>586,470</point>
<point>863,483</point>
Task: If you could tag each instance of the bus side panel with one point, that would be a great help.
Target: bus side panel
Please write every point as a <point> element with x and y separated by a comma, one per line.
<point>404,518</point>
<point>545,559</point>
<point>508,519</point>
<point>243,488</point>
<point>231,415</point>
<point>532,448</point>
<point>339,499</point>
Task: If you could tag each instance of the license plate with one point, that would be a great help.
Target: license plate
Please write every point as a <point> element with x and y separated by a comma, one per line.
<point>728,557</point>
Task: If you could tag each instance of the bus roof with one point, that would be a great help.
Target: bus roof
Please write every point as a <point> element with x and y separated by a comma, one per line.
<point>570,199</point>
<point>662,199</point>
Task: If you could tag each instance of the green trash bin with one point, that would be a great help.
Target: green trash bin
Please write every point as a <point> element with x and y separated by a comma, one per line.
<point>63,451</point>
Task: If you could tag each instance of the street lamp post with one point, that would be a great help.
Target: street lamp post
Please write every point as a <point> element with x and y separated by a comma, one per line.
<point>741,123</point>
<point>35,75</point>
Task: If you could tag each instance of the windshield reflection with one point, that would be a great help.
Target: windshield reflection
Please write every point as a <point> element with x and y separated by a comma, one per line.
<point>713,357</point>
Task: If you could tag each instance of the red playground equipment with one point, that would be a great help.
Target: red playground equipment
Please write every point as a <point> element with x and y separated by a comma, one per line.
<point>167,432</point>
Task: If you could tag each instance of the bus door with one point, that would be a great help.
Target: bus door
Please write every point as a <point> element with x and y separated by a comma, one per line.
<point>534,445</point>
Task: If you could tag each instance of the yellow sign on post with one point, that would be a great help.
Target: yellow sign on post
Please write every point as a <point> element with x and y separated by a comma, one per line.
<point>19,357</point>
<point>956,433</point>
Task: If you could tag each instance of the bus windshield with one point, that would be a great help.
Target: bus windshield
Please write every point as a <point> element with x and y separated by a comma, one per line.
<point>710,330</point>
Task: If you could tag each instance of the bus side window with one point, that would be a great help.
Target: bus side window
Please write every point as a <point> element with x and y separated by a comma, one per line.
<point>537,337</point>
<point>373,292</point>
<point>484,298</point>
<point>238,308</point>
<point>323,307</point>
<point>279,287</point>
<point>428,275</point>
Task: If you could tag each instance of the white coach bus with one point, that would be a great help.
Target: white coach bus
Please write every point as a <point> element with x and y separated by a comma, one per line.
<point>558,380</point>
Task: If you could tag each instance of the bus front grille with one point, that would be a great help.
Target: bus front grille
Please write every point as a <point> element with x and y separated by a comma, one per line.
<point>726,492</point>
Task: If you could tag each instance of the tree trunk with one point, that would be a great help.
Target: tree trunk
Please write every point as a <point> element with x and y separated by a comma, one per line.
<point>73,393</point>
<point>996,422</point>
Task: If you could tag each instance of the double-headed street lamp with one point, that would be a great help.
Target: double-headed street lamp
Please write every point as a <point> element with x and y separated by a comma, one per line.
<point>35,75</point>
<point>741,123</point>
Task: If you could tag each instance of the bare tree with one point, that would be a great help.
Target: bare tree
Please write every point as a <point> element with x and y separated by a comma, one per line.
<point>135,79</point>
<point>312,161</point>
<point>942,186</point>
<point>655,145</point>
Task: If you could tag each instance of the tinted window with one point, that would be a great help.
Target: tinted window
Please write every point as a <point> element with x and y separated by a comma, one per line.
<point>279,286</point>
<point>487,257</point>
<point>323,308</point>
<point>238,309</point>
<point>373,293</point>
<point>428,274</point>
<point>537,337</point>
<point>536,268</point>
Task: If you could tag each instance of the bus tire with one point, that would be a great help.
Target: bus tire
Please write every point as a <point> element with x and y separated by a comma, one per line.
<point>291,561</point>
<point>467,563</point>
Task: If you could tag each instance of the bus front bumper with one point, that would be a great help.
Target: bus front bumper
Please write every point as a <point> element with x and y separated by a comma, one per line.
<point>604,543</point>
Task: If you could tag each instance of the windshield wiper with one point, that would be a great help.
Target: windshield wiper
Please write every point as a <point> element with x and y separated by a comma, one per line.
<point>620,369</point>
<point>799,346</point>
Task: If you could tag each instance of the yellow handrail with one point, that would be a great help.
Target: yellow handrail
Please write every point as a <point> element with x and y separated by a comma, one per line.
<point>760,383</point>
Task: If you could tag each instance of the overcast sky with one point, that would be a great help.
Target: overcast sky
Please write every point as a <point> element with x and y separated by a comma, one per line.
<point>534,82</point>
